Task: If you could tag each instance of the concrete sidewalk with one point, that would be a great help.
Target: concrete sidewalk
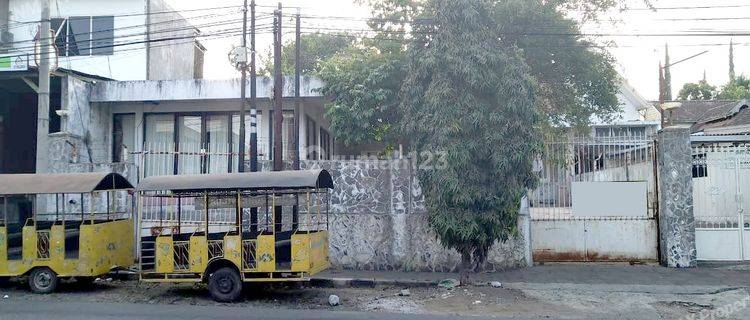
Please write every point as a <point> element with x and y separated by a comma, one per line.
<point>708,277</point>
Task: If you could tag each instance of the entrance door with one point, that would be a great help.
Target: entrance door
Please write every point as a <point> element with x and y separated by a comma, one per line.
<point>721,174</point>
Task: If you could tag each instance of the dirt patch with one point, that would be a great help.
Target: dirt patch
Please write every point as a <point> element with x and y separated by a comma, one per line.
<point>468,300</point>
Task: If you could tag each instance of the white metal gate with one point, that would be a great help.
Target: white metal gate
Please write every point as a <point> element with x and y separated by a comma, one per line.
<point>721,174</point>
<point>595,201</point>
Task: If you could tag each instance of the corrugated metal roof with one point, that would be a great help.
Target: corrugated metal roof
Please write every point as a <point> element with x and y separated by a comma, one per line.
<point>48,183</point>
<point>245,181</point>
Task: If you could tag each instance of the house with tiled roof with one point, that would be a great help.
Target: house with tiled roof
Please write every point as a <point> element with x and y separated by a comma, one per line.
<point>710,117</point>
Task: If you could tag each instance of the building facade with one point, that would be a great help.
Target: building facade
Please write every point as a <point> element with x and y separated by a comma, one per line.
<point>122,39</point>
<point>94,41</point>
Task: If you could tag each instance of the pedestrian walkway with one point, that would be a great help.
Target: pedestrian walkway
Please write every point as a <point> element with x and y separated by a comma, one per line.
<point>729,275</point>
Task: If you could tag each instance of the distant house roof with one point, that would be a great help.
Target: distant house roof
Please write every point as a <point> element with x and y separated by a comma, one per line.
<point>711,116</point>
<point>634,109</point>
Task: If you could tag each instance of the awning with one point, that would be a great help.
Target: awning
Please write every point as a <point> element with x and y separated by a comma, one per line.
<point>48,183</point>
<point>297,179</point>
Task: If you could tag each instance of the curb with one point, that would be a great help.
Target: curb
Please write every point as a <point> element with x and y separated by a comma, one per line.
<point>368,282</point>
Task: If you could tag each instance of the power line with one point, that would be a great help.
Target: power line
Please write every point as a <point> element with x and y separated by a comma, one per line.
<point>138,26</point>
<point>184,28</point>
<point>687,7</point>
<point>559,34</point>
<point>134,14</point>
<point>232,31</point>
<point>407,40</point>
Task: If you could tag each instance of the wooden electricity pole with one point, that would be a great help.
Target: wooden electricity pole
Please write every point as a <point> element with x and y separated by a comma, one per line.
<point>243,81</point>
<point>253,115</point>
<point>297,111</point>
<point>278,115</point>
<point>253,104</point>
<point>278,83</point>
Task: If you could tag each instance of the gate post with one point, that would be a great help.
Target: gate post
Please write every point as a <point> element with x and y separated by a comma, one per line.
<point>676,220</point>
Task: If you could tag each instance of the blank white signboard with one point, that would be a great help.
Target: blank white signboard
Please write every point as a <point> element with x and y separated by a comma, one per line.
<point>603,199</point>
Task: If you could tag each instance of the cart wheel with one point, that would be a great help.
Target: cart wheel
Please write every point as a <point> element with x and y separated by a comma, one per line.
<point>225,285</point>
<point>43,280</point>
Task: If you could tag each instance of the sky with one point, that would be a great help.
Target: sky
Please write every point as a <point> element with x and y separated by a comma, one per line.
<point>637,57</point>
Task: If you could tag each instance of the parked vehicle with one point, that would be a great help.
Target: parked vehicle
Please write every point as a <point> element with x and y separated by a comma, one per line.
<point>226,229</point>
<point>65,225</point>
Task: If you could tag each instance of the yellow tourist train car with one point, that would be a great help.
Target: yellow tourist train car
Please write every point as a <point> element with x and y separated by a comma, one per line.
<point>226,229</point>
<point>64,225</point>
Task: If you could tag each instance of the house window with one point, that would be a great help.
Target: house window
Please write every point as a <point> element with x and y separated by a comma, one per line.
<point>123,137</point>
<point>159,141</point>
<point>700,168</point>
<point>218,144</point>
<point>312,139</point>
<point>286,134</point>
<point>325,144</point>
<point>262,150</point>
<point>602,132</point>
<point>84,36</point>
<point>193,143</point>
<point>638,132</point>
<point>189,146</point>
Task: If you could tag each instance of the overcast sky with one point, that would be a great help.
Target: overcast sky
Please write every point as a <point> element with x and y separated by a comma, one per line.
<point>637,57</point>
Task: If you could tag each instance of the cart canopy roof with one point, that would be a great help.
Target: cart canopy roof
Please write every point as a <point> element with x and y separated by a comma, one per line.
<point>48,183</point>
<point>297,179</point>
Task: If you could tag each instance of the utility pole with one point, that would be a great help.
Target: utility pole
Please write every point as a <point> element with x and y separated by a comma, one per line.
<point>253,115</point>
<point>297,111</point>
<point>253,104</point>
<point>42,116</point>
<point>243,81</point>
<point>278,83</point>
<point>278,115</point>
<point>297,114</point>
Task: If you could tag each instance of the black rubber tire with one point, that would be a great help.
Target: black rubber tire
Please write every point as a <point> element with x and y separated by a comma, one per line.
<point>43,280</point>
<point>4,281</point>
<point>225,285</point>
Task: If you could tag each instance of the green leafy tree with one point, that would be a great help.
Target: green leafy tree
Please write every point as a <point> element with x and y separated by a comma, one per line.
<point>576,79</point>
<point>471,97</point>
<point>697,91</point>
<point>363,84</point>
<point>314,48</point>
<point>738,88</point>
<point>478,82</point>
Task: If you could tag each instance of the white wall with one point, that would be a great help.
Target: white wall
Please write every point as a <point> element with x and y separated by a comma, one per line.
<point>594,240</point>
<point>264,107</point>
<point>127,62</point>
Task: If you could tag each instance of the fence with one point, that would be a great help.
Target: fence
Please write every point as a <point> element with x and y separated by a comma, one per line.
<point>721,174</point>
<point>564,163</point>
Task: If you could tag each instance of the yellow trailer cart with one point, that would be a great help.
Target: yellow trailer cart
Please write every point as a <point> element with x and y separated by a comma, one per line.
<point>226,229</point>
<point>64,225</point>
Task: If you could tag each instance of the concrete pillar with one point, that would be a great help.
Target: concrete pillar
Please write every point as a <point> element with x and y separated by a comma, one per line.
<point>524,221</point>
<point>676,220</point>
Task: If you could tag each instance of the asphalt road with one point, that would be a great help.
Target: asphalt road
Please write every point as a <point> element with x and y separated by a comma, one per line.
<point>18,310</point>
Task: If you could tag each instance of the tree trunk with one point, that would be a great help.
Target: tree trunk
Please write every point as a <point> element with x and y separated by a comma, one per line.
<point>465,268</point>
